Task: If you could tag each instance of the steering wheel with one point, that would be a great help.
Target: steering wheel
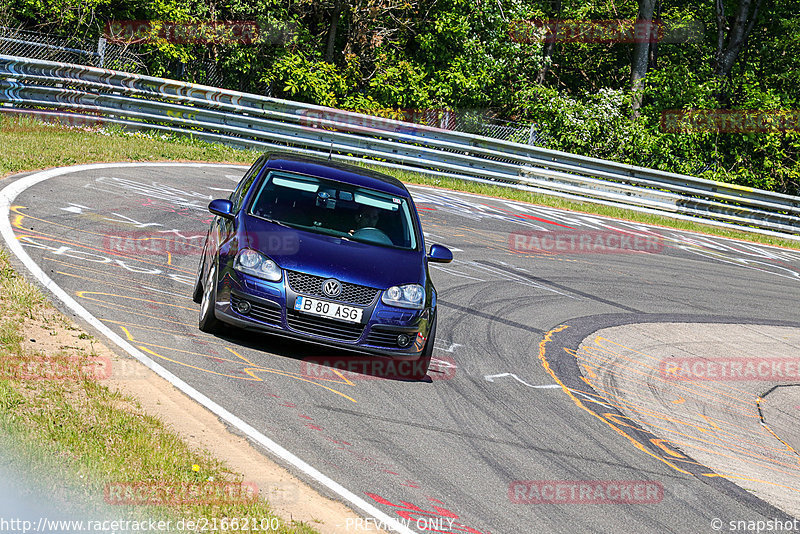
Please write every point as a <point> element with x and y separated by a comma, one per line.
<point>374,235</point>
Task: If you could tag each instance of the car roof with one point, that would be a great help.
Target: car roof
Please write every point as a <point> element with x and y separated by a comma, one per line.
<point>349,174</point>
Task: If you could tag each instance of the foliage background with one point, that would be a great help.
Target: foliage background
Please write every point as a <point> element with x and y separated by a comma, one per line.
<point>385,56</point>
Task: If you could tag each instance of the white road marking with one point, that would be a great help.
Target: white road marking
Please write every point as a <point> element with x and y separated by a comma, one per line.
<point>490,378</point>
<point>12,191</point>
<point>75,208</point>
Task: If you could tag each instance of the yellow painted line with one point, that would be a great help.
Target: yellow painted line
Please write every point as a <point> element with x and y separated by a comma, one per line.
<point>127,333</point>
<point>252,370</point>
<point>766,426</point>
<point>106,282</point>
<point>589,371</point>
<point>83,294</point>
<point>17,223</point>
<point>128,310</point>
<point>336,371</point>
<point>648,356</point>
<point>240,356</point>
<point>164,330</point>
<point>742,453</point>
<point>627,405</point>
<point>711,422</point>
<point>249,371</point>
<point>737,477</point>
<point>679,400</point>
<point>204,355</point>
<point>662,444</point>
<point>118,276</point>
<point>145,349</point>
<point>543,357</point>
<point>710,393</point>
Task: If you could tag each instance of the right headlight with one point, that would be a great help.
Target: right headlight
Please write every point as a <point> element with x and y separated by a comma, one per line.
<point>254,263</point>
<point>406,296</point>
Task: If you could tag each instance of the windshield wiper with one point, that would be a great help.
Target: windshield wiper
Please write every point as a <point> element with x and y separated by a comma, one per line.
<point>273,221</point>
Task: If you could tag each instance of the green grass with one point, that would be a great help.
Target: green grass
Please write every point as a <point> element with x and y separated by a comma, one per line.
<point>31,145</point>
<point>79,432</point>
<point>64,429</point>
<point>586,207</point>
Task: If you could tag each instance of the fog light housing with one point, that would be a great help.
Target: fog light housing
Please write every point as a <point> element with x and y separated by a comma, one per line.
<point>403,340</point>
<point>243,307</point>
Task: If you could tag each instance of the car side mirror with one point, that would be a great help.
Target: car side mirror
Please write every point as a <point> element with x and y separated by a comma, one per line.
<point>222,207</point>
<point>440,254</point>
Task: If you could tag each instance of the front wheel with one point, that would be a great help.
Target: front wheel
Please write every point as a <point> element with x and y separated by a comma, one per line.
<point>421,366</point>
<point>208,320</point>
<point>197,293</point>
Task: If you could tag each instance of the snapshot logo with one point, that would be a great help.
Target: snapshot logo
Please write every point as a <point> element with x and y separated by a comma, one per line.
<point>730,120</point>
<point>604,31</point>
<point>244,32</point>
<point>585,492</point>
<point>139,493</point>
<point>191,244</point>
<point>56,368</point>
<point>583,242</point>
<point>373,368</point>
<point>730,369</point>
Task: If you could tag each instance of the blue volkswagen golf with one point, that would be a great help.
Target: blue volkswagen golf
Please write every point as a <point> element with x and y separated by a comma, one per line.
<point>324,252</point>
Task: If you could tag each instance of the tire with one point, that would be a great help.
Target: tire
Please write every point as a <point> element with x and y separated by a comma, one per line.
<point>208,321</point>
<point>197,293</point>
<point>421,366</point>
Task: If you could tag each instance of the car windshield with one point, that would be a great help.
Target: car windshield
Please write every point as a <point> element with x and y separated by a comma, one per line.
<point>333,208</point>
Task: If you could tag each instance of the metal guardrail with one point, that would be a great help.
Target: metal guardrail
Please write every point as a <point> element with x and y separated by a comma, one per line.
<point>81,93</point>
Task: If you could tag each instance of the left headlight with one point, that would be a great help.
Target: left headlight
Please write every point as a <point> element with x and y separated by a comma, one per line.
<point>407,296</point>
<point>256,264</point>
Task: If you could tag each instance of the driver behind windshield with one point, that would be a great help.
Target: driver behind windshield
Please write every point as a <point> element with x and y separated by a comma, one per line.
<point>367,218</point>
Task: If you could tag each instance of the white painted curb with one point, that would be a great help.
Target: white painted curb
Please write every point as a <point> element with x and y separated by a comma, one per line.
<point>10,193</point>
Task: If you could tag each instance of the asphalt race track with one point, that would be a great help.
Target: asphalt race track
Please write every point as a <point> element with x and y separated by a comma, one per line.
<point>506,399</point>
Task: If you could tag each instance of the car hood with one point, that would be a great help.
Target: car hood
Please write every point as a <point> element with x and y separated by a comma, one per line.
<point>332,257</point>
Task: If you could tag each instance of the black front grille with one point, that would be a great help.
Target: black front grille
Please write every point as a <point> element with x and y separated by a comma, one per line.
<point>382,339</point>
<point>260,312</point>
<point>311,285</point>
<point>386,338</point>
<point>320,326</point>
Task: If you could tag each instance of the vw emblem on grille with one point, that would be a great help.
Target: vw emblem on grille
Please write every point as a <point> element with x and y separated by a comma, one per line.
<point>332,287</point>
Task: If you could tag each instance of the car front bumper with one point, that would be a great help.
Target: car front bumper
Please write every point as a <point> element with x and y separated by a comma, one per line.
<point>271,311</point>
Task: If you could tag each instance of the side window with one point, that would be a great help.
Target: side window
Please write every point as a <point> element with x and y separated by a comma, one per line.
<point>244,185</point>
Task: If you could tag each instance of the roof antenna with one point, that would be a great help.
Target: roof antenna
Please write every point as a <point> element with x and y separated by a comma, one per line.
<point>330,154</point>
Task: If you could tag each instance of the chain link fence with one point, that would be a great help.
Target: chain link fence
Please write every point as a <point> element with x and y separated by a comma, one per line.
<point>473,122</point>
<point>480,123</point>
<point>105,54</point>
<point>25,43</point>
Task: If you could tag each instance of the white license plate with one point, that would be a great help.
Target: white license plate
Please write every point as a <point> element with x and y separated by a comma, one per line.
<point>323,308</point>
